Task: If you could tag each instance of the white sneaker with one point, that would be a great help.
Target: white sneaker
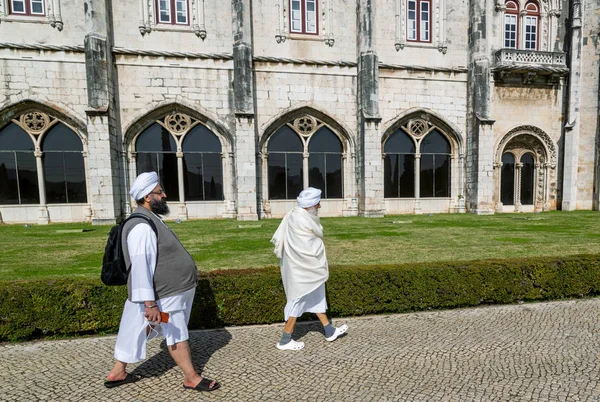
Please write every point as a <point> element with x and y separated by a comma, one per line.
<point>338,331</point>
<point>291,345</point>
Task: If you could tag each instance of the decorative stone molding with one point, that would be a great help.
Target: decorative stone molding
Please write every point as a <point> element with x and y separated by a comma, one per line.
<point>327,29</point>
<point>281,26</point>
<point>438,25</point>
<point>305,126</point>
<point>178,124</point>
<point>148,12</point>
<point>527,66</point>
<point>550,152</point>
<point>53,14</point>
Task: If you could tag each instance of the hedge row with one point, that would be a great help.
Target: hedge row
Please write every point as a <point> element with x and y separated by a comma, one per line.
<point>34,309</point>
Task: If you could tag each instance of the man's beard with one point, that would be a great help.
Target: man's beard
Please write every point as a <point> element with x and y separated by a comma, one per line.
<point>314,211</point>
<point>159,207</point>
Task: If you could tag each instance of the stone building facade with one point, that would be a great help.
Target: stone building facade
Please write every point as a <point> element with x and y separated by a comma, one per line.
<point>389,106</point>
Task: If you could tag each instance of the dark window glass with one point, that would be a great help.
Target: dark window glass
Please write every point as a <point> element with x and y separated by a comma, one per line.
<point>285,167</point>
<point>527,179</point>
<point>435,166</point>
<point>294,175</point>
<point>64,170</point>
<point>507,180</point>
<point>285,140</point>
<point>14,138</point>
<point>155,138</point>
<point>9,186</point>
<point>399,142</point>
<point>202,165</point>
<point>442,175</point>
<point>165,164</point>
<point>277,177</point>
<point>399,176</point>
<point>325,140</point>
<point>61,138</point>
<point>435,143</point>
<point>325,173</point>
<point>325,163</point>
<point>18,170</point>
<point>156,149</point>
<point>399,166</point>
<point>201,139</point>
<point>427,175</point>
<point>285,176</point>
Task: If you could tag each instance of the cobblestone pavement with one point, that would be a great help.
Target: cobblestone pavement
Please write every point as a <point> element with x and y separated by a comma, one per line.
<point>528,352</point>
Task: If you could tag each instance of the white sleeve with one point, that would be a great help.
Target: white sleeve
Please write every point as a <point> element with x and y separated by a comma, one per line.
<point>142,247</point>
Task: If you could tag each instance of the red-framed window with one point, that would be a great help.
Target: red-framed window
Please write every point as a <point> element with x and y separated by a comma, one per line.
<point>532,20</point>
<point>27,7</point>
<point>418,20</point>
<point>511,25</point>
<point>304,17</point>
<point>174,12</point>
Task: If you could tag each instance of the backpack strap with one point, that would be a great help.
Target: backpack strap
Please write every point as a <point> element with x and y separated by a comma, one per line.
<point>144,217</point>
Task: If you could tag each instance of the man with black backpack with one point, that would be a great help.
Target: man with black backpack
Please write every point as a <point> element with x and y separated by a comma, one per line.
<point>161,285</point>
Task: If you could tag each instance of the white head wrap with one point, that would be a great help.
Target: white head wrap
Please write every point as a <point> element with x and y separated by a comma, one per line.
<point>309,197</point>
<point>143,185</point>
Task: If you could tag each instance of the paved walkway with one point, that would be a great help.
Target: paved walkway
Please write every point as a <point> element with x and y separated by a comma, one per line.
<point>528,352</point>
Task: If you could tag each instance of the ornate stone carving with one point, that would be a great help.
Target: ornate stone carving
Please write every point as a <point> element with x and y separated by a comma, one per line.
<point>545,140</point>
<point>35,122</point>
<point>178,123</point>
<point>305,125</point>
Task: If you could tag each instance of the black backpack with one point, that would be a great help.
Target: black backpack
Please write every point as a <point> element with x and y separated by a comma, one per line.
<point>114,269</point>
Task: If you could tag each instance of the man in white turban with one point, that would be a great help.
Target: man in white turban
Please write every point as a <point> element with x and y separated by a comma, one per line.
<point>299,245</point>
<point>162,279</point>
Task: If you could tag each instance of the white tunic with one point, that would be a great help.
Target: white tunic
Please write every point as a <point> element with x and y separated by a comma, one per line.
<point>299,244</point>
<point>131,340</point>
<point>314,302</point>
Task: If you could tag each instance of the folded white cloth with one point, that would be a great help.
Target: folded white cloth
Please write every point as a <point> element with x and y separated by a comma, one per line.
<point>143,185</point>
<point>309,197</point>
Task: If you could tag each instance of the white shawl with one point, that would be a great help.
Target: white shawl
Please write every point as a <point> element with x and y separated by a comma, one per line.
<point>299,244</point>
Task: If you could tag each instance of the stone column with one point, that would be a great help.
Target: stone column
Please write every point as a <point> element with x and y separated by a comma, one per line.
<point>371,203</point>
<point>518,171</point>
<point>245,123</point>
<point>417,208</point>
<point>43,218</point>
<point>480,133</point>
<point>571,131</point>
<point>181,210</point>
<point>104,135</point>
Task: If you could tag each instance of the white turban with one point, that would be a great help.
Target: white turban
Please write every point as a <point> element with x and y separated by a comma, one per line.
<point>309,197</point>
<point>143,185</point>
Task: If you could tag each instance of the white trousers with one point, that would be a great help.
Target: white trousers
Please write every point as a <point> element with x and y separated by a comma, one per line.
<point>131,340</point>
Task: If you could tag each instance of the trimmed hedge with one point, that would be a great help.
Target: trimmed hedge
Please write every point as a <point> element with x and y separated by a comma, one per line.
<point>59,308</point>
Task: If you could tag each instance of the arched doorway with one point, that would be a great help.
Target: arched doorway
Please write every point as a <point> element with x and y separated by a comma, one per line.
<point>525,171</point>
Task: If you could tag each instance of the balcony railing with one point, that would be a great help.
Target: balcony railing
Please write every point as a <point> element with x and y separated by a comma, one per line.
<point>531,66</point>
<point>513,56</point>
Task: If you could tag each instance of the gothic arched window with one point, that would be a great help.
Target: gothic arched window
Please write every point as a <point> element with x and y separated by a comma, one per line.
<point>18,170</point>
<point>202,166</point>
<point>156,151</point>
<point>399,166</point>
<point>64,169</point>
<point>435,165</point>
<point>305,152</point>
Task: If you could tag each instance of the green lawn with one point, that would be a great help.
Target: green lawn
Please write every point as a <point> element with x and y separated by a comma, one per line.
<point>43,252</point>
